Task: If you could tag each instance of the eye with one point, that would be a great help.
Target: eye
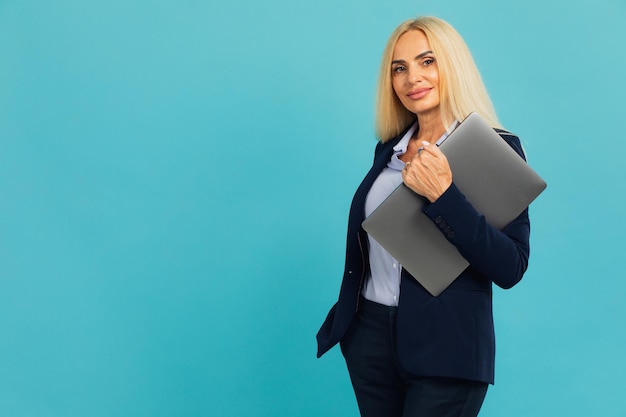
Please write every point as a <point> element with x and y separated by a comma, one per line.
<point>428,61</point>
<point>398,69</point>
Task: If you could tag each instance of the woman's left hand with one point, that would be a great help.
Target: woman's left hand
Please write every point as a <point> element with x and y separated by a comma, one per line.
<point>428,173</point>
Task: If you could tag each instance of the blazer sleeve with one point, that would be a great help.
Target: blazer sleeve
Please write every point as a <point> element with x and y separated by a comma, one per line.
<point>499,255</point>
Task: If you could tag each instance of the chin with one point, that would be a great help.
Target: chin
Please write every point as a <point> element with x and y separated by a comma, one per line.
<point>426,109</point>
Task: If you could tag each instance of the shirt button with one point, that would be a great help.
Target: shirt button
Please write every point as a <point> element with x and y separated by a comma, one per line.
<point>438,219</point>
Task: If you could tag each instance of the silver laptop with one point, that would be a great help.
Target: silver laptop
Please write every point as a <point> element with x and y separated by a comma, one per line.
<point>493,178</point>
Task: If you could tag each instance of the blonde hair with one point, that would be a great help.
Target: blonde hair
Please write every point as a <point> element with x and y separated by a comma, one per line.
<point>461,89</point>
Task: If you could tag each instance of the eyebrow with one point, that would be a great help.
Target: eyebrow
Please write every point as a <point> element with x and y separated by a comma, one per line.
<point>422,55</point>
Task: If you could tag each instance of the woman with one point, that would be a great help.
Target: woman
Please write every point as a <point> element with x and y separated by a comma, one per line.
<point>409,353</point>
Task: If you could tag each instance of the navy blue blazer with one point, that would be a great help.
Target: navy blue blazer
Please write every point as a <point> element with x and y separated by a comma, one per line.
<point>451,335</point>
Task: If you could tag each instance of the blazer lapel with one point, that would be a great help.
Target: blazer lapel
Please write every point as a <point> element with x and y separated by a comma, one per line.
<point>380,162</point>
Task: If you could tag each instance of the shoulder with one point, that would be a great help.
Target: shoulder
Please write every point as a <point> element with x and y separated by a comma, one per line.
<point>382,145</point>
<point>513,141</point>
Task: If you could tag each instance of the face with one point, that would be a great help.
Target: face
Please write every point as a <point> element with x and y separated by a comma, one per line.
<point>414,73</point>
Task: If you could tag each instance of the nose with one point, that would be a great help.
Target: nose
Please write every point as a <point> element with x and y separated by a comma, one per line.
<point>415,74</point>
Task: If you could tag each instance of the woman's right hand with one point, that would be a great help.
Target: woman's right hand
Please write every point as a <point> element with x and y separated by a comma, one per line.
<point>428,173</point>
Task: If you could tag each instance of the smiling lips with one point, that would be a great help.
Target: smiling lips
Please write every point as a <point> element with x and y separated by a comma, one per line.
<point>418,93</point>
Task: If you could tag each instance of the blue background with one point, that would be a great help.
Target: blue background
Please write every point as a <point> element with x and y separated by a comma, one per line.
<point>175,178</point>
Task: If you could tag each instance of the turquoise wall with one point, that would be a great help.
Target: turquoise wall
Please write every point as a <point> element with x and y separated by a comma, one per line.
<point>175,178</point>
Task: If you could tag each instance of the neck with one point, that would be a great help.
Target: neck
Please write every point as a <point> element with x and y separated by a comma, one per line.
<point>430,127</point>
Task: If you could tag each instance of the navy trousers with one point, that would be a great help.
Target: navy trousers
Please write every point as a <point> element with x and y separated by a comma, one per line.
<point>384,389</point>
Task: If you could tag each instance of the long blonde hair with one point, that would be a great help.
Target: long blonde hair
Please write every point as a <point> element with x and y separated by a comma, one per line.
<point>461,89</point>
